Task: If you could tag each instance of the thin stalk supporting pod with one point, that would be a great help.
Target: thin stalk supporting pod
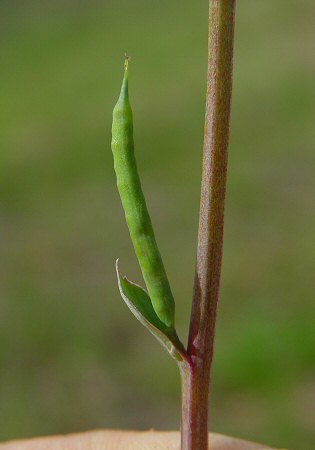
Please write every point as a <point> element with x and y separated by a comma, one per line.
<point>211,220</point>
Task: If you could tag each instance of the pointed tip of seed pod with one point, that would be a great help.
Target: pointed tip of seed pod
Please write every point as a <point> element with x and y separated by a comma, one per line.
<point>123,99</point>
<point>127,59</point>
<point>126,65</point>
<point>124,87</point>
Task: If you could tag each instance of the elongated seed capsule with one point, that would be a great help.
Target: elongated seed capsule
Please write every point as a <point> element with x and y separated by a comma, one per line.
<point>137,216</point>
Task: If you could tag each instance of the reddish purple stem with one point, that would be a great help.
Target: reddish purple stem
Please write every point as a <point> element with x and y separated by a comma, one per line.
<point>195,374</point>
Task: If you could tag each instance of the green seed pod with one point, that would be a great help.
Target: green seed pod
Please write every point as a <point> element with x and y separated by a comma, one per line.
<point>134,205</point>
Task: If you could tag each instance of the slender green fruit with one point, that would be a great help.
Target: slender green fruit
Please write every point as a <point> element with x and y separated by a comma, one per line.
<point>137,216</point>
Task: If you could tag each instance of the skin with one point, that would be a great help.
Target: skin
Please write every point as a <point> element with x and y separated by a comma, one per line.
<point>136,212</point>
<point>124,440</point>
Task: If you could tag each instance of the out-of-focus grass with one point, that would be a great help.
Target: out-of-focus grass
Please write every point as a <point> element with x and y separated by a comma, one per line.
<point>71,356</point>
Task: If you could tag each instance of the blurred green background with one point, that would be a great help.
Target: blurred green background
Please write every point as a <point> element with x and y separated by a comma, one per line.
<point>71,355</point>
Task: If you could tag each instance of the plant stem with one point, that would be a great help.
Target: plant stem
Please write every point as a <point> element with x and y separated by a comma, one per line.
<point>196,374</point>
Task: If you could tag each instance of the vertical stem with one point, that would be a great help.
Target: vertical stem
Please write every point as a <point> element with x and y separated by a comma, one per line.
<point>196,376</point>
